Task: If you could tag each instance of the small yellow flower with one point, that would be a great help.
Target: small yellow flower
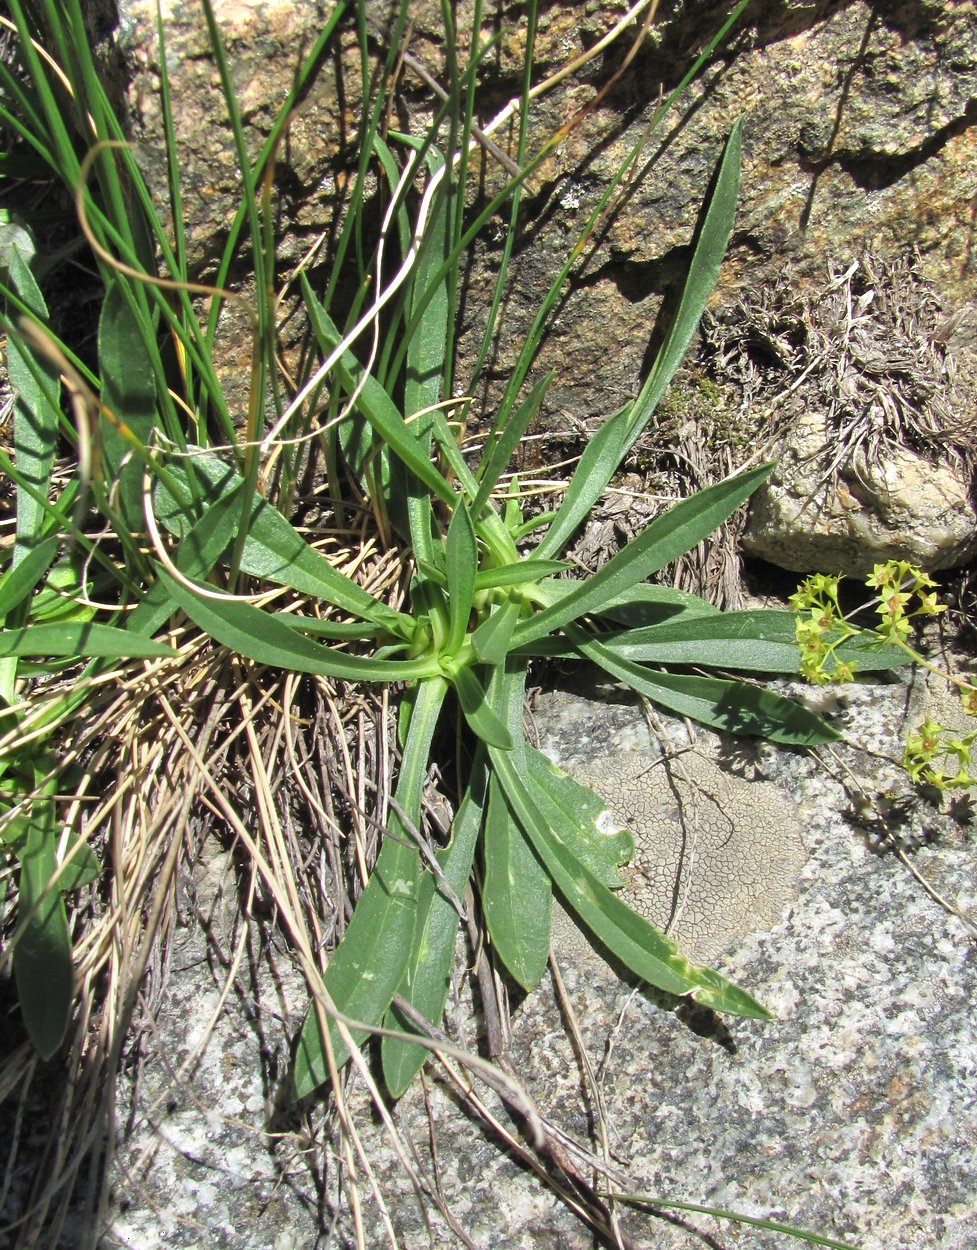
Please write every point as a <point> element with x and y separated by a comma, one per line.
<point>929,735</point>
<point>928,605</point>
<point>881,576</point>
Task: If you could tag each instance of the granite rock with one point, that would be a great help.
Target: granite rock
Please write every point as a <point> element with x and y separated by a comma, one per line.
<point>852,1113</point>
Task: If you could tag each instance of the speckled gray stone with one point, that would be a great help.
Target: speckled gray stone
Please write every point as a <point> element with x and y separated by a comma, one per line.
<point>853,1113</point>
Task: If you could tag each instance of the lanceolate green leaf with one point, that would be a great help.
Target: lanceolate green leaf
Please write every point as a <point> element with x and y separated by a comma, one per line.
<point>37,412</point>
<point>600,462</point>
<point>456,466</point>
<point>761,641</point>
<point>575,810</point>
<point>42,955</point>
<point>521,572</point>
<point>80,866</point>
<point>491,640</point>
<point>273,550</point>
<point>666,538</point>
<point>370,962</point>
<point>597,466</point>
<point>501,447</point>
<point>654,605</point>
<point>17,584</point>
<point>428,357</point>
<point>640,607</point>
<point>709,251</point>
<point>728,706</point>
<point>262,637</point>
<point>517,897</point>
<point>752,641</point>
<point>128,393</point>
<point>198,552</point>
<point>462,557</point>
<point>648,953</point>
<point>516,889</point>
<point>430,345</point>
<point>482,719</point>
<point>428,974</point>
<point>79,638</point>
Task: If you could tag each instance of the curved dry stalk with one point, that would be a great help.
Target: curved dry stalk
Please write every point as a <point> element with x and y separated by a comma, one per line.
<point>591,1081</point>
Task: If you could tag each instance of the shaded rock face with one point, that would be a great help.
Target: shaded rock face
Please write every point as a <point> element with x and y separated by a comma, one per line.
<point>859,134</point>
<point>265,43</point>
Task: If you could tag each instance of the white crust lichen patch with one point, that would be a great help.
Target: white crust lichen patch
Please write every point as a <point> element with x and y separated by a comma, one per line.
<point>717,856</point>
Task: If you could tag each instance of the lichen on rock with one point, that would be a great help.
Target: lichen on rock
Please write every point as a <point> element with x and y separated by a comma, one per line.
<point>718,850</point>
<point>717,856</point>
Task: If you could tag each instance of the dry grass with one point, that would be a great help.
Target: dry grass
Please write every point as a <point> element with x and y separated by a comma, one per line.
<point>165,757</point>
<point>871,351</point>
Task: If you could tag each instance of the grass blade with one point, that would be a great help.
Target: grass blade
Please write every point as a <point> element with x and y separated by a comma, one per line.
<point>406,440</point>
<point>719,1213</point>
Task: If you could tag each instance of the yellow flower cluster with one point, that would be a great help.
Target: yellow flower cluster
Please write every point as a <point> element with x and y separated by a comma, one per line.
<point>933,755</point>
<point>821,627</point>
